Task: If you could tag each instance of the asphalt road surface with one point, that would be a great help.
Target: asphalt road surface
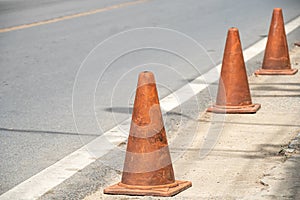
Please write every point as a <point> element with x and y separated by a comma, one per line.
<point>69,68</point>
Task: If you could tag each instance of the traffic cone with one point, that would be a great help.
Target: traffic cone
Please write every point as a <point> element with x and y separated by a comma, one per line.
<point>233,92</point>
<point>148,169</point>
<point>276,59</point>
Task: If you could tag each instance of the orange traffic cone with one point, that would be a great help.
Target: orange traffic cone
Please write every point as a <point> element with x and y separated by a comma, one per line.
<point>233,92</point>
<point>276,59</point>
<point>148,169</point>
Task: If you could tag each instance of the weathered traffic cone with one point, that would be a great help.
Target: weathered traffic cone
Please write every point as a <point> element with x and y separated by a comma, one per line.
<point>276,59</point>
<point>233,92</point>
<point>148,169</point>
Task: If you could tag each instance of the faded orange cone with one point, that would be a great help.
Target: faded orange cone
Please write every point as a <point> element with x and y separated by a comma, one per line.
<point>276,59</point>
<point>233,92</point>
<point>148,169</point>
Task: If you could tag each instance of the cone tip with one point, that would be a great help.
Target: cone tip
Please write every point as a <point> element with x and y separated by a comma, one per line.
<point>277,9</point>
<point>233,29</point>
<point>233,32</point>
<point>277,12</point>
<point>146,77</point>
<point>145,72</point>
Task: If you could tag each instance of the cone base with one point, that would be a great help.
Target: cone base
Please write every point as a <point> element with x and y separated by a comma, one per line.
<point>276,72</point>
<point>253,108</point>
<point>163,190</point>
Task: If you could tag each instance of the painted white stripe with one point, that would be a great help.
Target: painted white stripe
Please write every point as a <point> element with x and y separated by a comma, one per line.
<point>55,174</point>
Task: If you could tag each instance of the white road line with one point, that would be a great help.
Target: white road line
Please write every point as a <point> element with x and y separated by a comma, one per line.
<point>55,174</point>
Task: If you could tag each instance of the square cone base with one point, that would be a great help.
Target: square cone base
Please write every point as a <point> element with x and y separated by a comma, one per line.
<point>163,191</point>
<point>235,110</point>
<point>275,72</point>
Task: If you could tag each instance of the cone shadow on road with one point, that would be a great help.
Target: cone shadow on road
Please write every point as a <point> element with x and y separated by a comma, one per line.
<point>129,111</point>
<point>47,132</point>
<point>270,88</point>
<point>125,110</point>
<point>275,83</point>
<point>263,151</point>
<point>276,95</point>
<point>255,124</point>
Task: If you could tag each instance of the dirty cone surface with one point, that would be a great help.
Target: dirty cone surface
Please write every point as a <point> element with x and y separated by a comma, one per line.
<point>276,59</point>
<point>148,169</point>
<point>233,91</point>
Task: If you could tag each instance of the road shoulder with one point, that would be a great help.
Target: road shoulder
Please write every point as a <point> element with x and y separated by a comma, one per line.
<point>248,147</point>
